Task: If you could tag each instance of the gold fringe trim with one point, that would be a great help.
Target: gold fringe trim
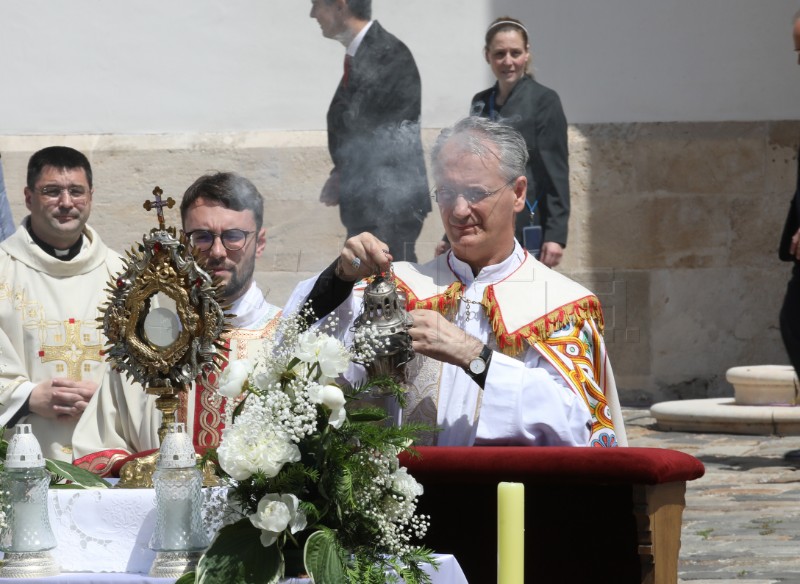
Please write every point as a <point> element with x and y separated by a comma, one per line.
<point>510,342</point>
<point>513,342</point>
<point>444,303</point>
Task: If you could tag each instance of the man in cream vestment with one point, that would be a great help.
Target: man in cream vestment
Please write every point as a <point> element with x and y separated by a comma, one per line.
<point>53,273</point>
<point>508,352</point>
<point>222,216</point>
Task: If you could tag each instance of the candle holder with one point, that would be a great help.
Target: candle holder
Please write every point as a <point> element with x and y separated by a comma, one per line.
<point>27,537</point>
<point>179,537</point>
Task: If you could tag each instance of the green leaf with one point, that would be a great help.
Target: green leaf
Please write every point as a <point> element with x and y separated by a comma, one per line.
<point>80,477</point>
<point>238,410</point>
<point>236,556</point>
<point>187,578</point>
<point>322,559</point>
<point>367,415</point>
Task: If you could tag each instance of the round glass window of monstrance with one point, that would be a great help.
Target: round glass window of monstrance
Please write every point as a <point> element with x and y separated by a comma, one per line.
<point>162,326</point>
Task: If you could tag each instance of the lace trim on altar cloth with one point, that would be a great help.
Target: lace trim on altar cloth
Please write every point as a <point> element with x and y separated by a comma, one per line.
<point>109,530</point>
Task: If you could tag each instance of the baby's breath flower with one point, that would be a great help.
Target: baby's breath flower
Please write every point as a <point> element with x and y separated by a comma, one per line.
<point>292,424</point>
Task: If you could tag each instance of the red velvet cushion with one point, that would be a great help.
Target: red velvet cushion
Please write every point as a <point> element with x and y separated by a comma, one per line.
<point>555,464</point>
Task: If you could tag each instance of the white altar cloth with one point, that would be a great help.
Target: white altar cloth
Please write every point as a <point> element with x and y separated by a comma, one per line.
<point>449,572</point>
<point>103,536</point>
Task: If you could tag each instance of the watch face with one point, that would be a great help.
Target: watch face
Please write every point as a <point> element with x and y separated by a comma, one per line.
<point>477,366</point>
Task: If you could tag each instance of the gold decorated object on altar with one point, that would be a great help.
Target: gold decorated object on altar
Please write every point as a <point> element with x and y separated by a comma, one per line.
<point>163,322</point>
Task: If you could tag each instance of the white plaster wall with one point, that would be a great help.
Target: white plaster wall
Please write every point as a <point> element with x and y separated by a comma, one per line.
<point>185,66</point>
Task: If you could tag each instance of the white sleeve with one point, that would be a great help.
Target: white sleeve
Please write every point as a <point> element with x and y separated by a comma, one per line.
<point>341,319</point>
<point>120,416</point>
<point>528,403</point>
<point>298,295</point>
<point>15,386</point>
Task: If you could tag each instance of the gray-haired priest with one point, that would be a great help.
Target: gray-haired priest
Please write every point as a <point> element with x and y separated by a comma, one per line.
<point>508,352</point>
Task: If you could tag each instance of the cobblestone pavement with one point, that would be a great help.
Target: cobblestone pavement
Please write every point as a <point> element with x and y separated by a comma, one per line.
<point>742,518</point>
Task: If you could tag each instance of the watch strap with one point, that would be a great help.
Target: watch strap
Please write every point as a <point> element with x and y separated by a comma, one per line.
<point>486,356</point>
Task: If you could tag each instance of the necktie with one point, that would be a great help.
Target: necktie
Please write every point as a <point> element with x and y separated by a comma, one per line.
<point>348,62</point>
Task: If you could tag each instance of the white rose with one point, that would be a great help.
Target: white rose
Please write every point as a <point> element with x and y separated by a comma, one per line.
<point>275,514</point>
<point>307,347</point>
<point>333,398</point>
<point>241,458</point>
<point>331,354</point>
<point>333,357</point>
<point>233,378</point>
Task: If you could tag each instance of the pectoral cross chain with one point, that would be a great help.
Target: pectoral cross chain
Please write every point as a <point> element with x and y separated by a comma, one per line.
<point>467,304</point>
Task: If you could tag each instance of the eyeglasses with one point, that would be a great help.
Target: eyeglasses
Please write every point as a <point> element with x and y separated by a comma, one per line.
<point>447,196</point>
<point>232,239</point>
<point>75,193</point>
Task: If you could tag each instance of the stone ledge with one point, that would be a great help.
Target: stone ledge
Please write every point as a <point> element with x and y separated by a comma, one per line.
<point>723,415</point>
<point>764,385</point>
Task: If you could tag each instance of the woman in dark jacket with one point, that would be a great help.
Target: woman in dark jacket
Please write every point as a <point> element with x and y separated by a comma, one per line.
<point>535,111</point>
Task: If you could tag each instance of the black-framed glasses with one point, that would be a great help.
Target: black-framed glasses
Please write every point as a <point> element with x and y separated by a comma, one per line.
<point>53,192</point>
<point>447,195</point>
<point>232,239</point>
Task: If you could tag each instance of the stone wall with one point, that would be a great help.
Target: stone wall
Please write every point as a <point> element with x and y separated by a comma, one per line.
<point>674,225</point>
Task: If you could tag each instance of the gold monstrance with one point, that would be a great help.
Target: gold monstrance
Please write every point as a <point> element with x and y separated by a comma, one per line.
<point>163,320</point>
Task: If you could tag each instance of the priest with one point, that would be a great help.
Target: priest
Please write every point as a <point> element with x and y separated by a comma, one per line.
<point>508,352</point>
<point>53,271</point>
<point>222,216</point>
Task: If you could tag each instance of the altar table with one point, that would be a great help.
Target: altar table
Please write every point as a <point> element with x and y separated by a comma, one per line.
<point>103,537</point>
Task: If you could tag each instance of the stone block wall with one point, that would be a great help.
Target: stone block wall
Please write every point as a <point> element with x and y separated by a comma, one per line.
<point>674,225</point>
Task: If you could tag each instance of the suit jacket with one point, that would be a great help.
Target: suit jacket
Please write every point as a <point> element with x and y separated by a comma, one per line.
<point>374,135</point>
<point>535,111</point>
<point>792,221</point>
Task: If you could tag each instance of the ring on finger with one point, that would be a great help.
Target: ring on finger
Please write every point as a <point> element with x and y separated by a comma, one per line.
<point>356,263</point>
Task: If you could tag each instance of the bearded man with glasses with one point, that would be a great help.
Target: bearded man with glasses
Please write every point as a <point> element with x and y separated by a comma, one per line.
<point>222,216</point>
<point>508,351</point>
<point>53,274</point>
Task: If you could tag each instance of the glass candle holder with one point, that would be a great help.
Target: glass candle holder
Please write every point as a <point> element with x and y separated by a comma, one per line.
<point>179,535</point>
<point>27,535</point>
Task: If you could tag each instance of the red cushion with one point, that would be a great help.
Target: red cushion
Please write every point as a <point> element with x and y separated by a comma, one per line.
<point>556,464</point>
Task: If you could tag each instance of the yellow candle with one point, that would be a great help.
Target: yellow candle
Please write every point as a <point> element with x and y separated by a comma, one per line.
<point>510,533</point>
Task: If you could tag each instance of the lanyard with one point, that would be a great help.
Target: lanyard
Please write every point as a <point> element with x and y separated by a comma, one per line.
<point>532,208</point>
<point>492,110</point>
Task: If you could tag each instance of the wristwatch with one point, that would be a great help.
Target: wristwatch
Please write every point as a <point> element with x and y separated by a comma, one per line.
<point>478,366</point>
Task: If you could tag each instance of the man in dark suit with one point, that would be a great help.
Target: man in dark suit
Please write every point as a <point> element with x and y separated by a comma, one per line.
<point>378,179</point>
<point>790,251</point>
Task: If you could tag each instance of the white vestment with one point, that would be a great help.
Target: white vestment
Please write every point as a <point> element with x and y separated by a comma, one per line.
<point>108,437</point>
<point>549,381</point>
<point>48,328</point>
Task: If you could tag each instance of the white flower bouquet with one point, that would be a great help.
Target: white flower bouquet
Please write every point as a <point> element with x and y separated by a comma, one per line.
<point>314,473</point>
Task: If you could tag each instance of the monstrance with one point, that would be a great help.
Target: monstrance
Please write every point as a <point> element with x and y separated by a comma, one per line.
<point>163,322</point>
